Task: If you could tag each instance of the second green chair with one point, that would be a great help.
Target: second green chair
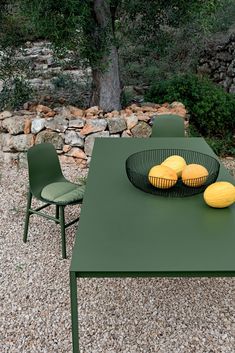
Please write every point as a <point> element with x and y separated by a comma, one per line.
<point>48,184</point>
<point>168,125</point>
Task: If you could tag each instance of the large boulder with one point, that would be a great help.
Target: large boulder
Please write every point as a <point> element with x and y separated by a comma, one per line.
<point>76,111</point>
<point>73,138</point>
<point>76,123</point>
<point>131,121</point>
<point>46,136</point>
<point>17,143</point>
<point>14,125</point>
<point>40,108</point>
<point>37,125</point>
<point>116,124</point>
<point>92,111</point>
<point>3,139</point>
<point>64,112</point>
<point>59,123</point>
<point>76,153</point>
<point>94,125</point>
<point>5,114</point>
<point>142,129</point>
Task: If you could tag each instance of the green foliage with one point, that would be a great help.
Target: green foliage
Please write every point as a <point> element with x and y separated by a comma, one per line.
<point>10,66</point>
<point>214,15</point>
<point>54,20</point>
<point>212,111</point>
<point>71,24</point>
<point>154,36</point>
<point>74,90</point>
<point>126,98</point>
<point>150,35</point>
<point>15,93</point>
<point>222,147</point>
<point>15,27</point>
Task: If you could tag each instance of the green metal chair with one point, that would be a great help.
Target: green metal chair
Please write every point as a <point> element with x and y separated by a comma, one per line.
<point>168,125</point>
<point>47,184</point>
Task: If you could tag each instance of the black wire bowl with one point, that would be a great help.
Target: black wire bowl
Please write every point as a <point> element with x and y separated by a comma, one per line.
<point>139,164</point>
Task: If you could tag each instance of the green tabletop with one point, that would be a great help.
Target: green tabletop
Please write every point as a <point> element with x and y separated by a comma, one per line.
<point>125,231</point>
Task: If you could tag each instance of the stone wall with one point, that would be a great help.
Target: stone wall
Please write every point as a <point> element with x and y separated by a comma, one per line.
<point>44,67</point>
<point>73,130</point>
<point>218,61</point>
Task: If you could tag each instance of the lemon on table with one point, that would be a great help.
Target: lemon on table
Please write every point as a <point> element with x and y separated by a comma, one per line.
<point>162,177</point>
<point>219,194</point>
<point>194,175</point>
<point>175,162</point>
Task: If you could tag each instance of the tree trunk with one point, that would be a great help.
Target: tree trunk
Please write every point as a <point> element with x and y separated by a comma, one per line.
<point>106,84</point>
<point>106,80</point>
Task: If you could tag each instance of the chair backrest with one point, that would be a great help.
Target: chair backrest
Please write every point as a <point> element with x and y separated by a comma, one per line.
<point>43,166</point>
<point>168,125</point>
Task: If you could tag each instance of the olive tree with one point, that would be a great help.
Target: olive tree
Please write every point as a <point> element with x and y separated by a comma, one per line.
<point>87,26</point>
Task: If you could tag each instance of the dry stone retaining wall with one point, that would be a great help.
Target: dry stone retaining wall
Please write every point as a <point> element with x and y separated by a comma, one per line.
<point>73,130</point>
<point>218,62</point>
<point>44,67</point>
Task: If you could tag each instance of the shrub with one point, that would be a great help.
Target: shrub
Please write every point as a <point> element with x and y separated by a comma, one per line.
<point>223,146</point>
<point>75,90</point>
<point>212,111</point>
<point>15,93</point>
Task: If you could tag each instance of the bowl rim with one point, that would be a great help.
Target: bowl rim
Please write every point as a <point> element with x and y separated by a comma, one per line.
<point>168,149</point>
<point>211,174</point>
<point>178,149</point>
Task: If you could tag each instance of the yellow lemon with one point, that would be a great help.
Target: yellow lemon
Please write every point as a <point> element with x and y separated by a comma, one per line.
<point>220,194</point>
<point>194,175</point>
<point>162,177</point>
<point>175,162</point>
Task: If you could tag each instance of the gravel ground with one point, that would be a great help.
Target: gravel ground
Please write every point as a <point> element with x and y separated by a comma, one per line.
<point>150,315</point>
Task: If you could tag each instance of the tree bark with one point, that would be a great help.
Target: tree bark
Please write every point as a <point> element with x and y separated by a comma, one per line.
<point>106,79</point>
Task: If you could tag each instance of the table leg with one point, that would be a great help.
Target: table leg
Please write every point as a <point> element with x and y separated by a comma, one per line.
<point>74,311</point>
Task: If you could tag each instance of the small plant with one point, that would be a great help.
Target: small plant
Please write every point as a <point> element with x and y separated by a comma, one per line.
<point>76,91</point>
<point>127,97</point>
<point>20,266</point>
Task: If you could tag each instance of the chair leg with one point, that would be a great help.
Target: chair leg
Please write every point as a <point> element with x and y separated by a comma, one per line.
<point>62,227</point>
<point>26,225</point>
<point>57,213</point>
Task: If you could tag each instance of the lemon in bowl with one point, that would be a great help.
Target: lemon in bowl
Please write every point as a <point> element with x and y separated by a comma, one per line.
<point>162,177</point>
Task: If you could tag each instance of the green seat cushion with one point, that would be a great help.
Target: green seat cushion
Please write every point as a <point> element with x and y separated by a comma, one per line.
<point>63,192</point>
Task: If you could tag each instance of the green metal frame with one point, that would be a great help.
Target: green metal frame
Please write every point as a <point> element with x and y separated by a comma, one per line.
<point>74,311</point>
<point>44,168</point>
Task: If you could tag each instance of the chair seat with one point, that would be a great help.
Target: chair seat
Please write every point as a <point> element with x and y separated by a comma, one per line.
<point>63,192</point>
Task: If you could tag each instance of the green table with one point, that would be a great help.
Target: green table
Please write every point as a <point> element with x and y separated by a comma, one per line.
<point>124,232</point>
